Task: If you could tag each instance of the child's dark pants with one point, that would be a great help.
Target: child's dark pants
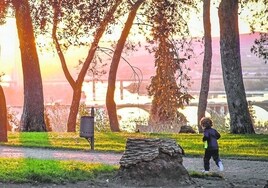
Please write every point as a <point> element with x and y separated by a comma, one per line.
<point>214,153</point>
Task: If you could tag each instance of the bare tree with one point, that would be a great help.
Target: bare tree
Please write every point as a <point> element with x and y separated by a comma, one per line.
<point>203,96</point>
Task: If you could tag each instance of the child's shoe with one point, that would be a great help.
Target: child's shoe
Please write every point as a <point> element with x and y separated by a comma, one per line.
<point>205,171</point>
<point>220,166</point>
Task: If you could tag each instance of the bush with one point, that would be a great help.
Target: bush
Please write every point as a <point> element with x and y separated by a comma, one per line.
<point>101,122</point>
<point>220,122</point>
<point>13,120</point>
<point>56,116</point>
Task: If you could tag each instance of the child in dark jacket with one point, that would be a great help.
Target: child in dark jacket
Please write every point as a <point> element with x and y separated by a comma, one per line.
<point>210,138</point>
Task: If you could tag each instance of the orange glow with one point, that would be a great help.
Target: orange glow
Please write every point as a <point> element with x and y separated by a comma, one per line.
<point>196,24</point>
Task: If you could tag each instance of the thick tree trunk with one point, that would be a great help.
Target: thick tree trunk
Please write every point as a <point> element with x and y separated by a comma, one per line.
<point>32,118</point>
<point>203,96</point>
<point>241,122</point>
<point>3,116</point>
<point>74,109</point>
<point>110,103</point>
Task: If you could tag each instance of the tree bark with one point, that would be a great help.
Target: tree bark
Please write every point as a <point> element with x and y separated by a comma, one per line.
<point>203,96</point>
<point>74,109</point>
<point>32,118</point>
<point>240,121</point>
<point>3,116</point>
<point>110,103</point>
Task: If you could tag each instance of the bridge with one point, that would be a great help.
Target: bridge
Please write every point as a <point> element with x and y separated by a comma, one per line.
<point>125,97</point>
<point>220,107</point>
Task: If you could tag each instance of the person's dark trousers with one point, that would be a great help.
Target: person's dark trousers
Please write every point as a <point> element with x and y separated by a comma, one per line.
<point>208,154</point>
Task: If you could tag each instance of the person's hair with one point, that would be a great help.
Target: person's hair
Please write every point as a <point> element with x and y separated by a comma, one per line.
<point>206,122</point>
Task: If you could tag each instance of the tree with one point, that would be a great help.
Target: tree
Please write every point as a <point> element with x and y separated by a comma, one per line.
<point>260,47</point>
<point>240,121</point>
<point>3,11</point>
<point>81,18</point>
<point>32,118</point>
<point>3,107</point>
<point>202,104</point>
<point>110,103</point>
<point>168,96</point>
<point>258,22</point>
<point>3,116</point>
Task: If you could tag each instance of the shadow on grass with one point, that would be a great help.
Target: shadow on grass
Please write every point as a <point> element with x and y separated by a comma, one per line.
<point>33,170</point>
<point>36,171</point>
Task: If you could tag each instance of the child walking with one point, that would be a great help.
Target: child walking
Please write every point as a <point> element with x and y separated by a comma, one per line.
<point>210,138</point>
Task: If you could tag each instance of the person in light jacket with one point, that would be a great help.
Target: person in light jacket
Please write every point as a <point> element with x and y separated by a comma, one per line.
<point>210,139</point>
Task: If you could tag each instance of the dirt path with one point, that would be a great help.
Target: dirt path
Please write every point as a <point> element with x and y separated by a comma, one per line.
<point>237,173</point>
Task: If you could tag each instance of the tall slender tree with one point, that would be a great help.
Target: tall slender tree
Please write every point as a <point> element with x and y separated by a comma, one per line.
<point>3,116</point>
<point>110,103</point>
<point>240,122</point>
<point>3,107</point>
<point>32,118</point>
<point>203,96</point>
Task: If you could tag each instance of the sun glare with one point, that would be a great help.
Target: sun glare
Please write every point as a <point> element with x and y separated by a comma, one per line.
<point>8,38</point>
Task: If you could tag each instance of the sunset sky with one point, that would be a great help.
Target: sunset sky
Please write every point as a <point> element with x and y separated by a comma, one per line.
<point>49,62</point>
<point>10,52</point>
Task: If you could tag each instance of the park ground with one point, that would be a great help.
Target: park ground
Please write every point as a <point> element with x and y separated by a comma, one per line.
<point>237,172</point>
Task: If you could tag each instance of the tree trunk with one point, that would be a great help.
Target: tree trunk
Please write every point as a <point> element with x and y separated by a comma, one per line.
<point>241,122</point>
<point>111,109</point>
<point>32,118</point>
<point>203,96</point>
<point>77,85</point>
<point>110,103</point>
<point>3,116</point>
<point>74,109</point>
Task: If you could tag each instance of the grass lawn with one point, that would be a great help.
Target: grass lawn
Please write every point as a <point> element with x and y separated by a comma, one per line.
<point>249,146</point>
<point>54,171</point>
<point>50,171</point>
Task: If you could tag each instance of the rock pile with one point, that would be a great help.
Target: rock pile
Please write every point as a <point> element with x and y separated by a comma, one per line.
<point>152,162</point>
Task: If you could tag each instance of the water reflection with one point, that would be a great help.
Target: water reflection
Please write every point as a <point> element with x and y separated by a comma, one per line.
<point>130,116</point>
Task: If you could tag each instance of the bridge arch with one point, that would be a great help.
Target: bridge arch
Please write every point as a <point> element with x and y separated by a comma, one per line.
<point>263,104</point>
<point>260,113</point>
